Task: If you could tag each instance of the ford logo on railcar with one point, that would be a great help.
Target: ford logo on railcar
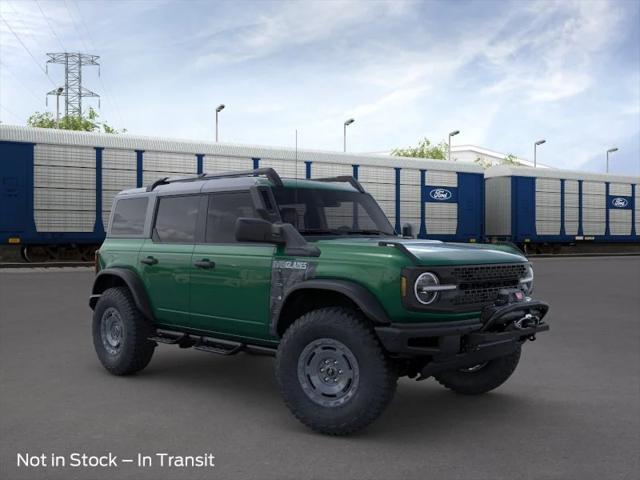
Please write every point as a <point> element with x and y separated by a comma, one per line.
<point>440,194</point>
<point>619,202</point>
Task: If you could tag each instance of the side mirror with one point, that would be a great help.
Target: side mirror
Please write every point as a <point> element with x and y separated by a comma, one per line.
<point>257,230</point>
<point>407,230</point>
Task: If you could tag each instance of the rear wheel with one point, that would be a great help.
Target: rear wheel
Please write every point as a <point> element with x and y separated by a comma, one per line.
<point>332,372</point>
<point>480,378</point>
<point>120,333</point>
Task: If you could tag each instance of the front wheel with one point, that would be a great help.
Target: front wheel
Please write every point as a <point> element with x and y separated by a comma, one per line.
<point>332,372</point>
<point>120,333</point>
<point>480,378</point>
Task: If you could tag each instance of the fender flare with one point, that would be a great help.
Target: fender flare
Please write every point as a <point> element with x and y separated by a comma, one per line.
<point>358,294</point>
<point>133,283</point>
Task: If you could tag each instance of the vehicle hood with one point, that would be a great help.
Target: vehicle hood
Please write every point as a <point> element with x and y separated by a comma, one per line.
<point>434,252</point>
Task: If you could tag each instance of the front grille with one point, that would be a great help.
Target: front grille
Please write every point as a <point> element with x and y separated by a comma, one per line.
<point>480,284</point>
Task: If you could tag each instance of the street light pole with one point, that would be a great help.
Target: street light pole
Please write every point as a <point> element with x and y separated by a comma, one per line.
<point>58,93</point>
<point>219,108</point>
<point>344,137</point>
<point>535,146</point>
<point>452,134</point>
<point>611,150</point>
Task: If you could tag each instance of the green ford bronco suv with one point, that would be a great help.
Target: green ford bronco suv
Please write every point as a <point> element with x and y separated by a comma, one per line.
<point>312,272</point>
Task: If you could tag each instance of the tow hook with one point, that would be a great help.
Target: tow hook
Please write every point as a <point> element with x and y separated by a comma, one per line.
<point>526,322</point>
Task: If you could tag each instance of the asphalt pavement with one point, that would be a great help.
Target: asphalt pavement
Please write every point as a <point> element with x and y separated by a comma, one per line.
<point>570,411</point>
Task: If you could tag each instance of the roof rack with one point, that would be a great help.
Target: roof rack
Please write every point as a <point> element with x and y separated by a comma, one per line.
<point>343,178</point>
<point>270,173</point>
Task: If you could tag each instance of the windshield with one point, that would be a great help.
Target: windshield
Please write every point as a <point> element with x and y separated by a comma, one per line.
<point>331,212</point>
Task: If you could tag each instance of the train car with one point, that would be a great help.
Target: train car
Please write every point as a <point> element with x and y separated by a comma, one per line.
<point>555,207</point>
<point>57,186</point>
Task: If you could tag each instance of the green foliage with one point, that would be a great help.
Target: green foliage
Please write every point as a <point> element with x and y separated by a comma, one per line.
<point>424,150</point>
<point>510,160</point>
<point>88,123</point>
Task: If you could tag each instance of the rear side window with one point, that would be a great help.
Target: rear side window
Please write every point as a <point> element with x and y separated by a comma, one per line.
<point>129,216</point>
<point>176,219</point>
<point>224,209</point>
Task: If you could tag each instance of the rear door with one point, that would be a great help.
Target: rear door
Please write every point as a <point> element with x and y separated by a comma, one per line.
<point>230,281</point>
<point>165,258</point>
<point>17,158</point>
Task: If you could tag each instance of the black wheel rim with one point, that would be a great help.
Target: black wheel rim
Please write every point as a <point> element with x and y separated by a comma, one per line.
<point>112,330</point>
<point>328,372</point>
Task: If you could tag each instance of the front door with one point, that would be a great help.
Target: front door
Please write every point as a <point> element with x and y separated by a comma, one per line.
<point>230,281</point>
<point>165,259</point>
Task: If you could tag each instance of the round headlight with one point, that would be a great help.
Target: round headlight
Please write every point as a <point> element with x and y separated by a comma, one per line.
<point>421,288</point>
<point>526,282</point>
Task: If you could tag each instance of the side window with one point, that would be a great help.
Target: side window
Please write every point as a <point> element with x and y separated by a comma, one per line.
<point>224,210</point>
<point>129,216</point>
<point>176,219</point>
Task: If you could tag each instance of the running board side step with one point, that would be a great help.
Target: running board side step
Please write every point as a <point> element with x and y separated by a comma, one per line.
<point>208,344</point>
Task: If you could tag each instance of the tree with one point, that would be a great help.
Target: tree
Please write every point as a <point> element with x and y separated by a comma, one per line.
<point>89,123</point>
<point>509,159</point>
<point>424,150</point>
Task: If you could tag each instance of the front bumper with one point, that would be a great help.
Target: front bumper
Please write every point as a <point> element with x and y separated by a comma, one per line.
<point>461,344</point>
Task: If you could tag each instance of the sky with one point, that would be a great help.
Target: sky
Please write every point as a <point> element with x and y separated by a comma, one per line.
<point>504,73</point>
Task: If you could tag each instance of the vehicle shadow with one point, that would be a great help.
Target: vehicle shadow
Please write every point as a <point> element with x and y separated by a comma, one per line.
<point>419,410</point>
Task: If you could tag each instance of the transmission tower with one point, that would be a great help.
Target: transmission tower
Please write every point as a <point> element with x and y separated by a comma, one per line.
<point>73,91</point>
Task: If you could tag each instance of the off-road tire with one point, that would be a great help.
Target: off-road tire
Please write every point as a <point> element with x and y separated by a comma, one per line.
<point>487,378</point>
<point>135,350</point>
<point>377,376</point>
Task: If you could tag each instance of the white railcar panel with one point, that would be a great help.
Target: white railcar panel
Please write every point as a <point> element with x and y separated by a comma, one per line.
<point>64,220</point>
<point>637,209</point>
<point>410,193</point>
<point>386,175</point>
<point>547,227</point>
<point>64,156</point>
<point>380,191</point>
<point>550,199</point>
<point>323,170</point>
<point>619,222</point>
<point>118,179</point>
<point>169,162</point>
<point>571,228</point>
<point>441,218</point>
<point>571,200</point>
<point>620,189</point>
<point>409,210</point>
<point>409,176</point>
<point>59,199</point>
<point>498,206</point>
<point>547,185</point>
<point>115,159</point>
<point>65,177</point>
<point>286,168</point>
<point>216,164</point>
<point>593,228</point>
<point>441,179</point>
<point>594,202</point>
<point>596,188</point>
<point>571,186</point>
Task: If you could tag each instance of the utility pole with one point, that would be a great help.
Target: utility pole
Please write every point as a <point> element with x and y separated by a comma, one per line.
<point>219,108</point>
<point>535,152</point>
<point>452,134</point>
<point>58,93</point>
<point>611,150</point>
<point>73,90</point>
<point>344,133</point>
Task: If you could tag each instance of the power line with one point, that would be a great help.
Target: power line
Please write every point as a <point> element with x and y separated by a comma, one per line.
<point>50,26</point>
<point>112,98</point>
<point>27,49</point>
<point>10,112</point>
<point>6,67</point>
<point>73,21</point>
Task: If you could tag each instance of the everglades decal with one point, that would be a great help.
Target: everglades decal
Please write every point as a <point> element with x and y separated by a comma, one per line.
<point>284,275</point>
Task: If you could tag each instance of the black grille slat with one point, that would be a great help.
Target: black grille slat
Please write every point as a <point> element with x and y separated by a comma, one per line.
<point>479,284</point>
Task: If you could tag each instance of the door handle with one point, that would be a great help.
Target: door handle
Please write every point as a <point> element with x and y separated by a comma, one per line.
<point>149,260</point>
<point>205,263</point>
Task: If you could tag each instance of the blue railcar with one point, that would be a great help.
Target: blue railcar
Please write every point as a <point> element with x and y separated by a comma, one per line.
<point>57,186</point>
<point>549,206</point>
